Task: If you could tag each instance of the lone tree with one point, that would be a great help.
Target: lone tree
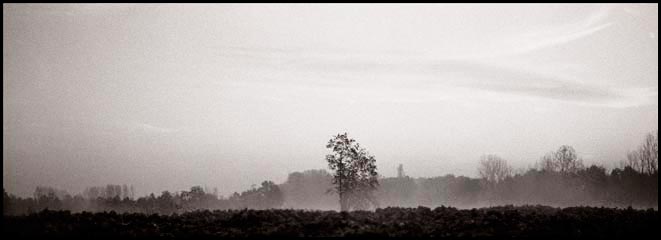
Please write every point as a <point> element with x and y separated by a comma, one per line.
<point>355,176</point>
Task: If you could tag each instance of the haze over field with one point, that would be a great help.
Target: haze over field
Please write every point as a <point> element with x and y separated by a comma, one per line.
<point>169,96</point>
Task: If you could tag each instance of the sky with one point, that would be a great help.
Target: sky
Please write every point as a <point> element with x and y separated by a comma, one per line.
<point>168,96</point>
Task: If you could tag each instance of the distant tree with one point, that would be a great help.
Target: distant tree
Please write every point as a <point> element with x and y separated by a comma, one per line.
<point>567,159</point>
<point>92,193</point>
<point>272,195</point>
<point>494,169</point>
<point>166,203</point>
<point>564,160</point>
<point>125,191</point>
<point>195,194</point>
<point>308,189</point>
<point>355,176</point>
<point>397,191</point>
<point>648,153</point>
<point>268,195</point>
<point>645,159</point>
<point>595,177</point>
<point>633,161</point>
<point>46,197</point>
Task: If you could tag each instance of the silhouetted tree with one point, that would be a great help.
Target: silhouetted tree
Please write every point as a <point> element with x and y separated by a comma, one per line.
<point>564,160</point>
<point>648,153</point>
<point>355,175</point>
<point>633,161</point>
<point>268,195</point>
<point>645,159</point>
<point>272,195</point>
<point>494,169</point>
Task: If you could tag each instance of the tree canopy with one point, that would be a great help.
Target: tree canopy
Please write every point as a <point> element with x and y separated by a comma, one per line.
<point>355,176</point>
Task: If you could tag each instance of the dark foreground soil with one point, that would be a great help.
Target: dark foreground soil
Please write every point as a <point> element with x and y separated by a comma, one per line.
<point>508,221</point>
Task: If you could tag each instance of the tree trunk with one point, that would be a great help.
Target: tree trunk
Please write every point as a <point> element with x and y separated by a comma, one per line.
<point>344,206</point>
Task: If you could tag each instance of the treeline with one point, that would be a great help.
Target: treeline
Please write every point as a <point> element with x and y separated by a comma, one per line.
<point>559,179</point>
<point>114,198</point>
<point>592,186</point>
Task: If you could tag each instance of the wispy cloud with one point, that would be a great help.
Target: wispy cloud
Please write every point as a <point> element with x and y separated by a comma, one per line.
<point>554,34</point>
<point>419,74</point>
<point>558,37</point>
<point>515,81</point>
<point>410,72</point>
<point>510,80</point>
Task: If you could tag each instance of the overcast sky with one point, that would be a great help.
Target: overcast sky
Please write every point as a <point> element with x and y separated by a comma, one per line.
<point>169,96</point>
